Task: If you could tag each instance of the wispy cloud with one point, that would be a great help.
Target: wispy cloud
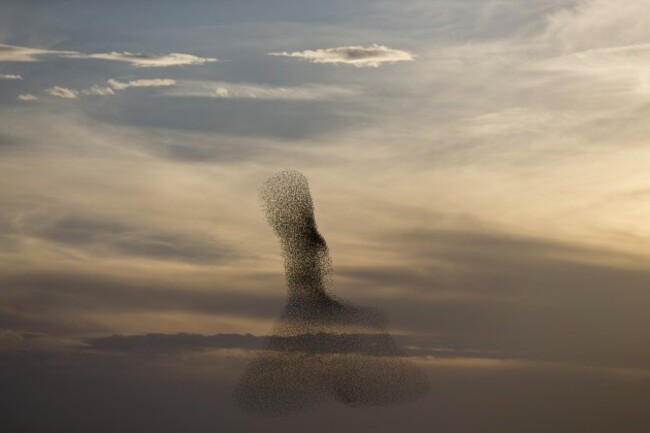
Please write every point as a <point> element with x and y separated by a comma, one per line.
<point>226,90</point>
<point>62,92</point>
<point>625,64</point>
<point>10,77</point>
<point>113,237</point>
<point>98,90</point>
<point>27,97</point>
<point>146,82</point>
<point>356,55</point>
<point>110,89</point>
<point>12,53</point>
<point>147,60</point>
<point>598,24</point>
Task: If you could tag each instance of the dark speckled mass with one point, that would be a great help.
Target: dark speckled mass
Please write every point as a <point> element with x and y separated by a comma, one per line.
<point>321,347</point>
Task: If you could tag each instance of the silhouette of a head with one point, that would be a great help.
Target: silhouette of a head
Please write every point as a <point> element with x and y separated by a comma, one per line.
<point>320,346</point>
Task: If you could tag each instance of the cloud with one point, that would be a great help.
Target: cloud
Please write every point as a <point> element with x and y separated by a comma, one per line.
<point>622,64</point>
<point>313,343</point>
<point>148,82</point>
<point>169,343</point>
<point>604,46</point>
<point>359,56</point>
<point>222,92</point>
<point>62,92</point>
<point>27,97</point>
<point>21,341</point>
<point>113,85</point>
<point>98,90</point>
<point>147,60</point>
<point>113,304</point>
<point>172,391</point>
<point>10,77</point>
<point>598,24</point>
<point>117,238</point>
<point>12,53</point>
<point>226,90</point>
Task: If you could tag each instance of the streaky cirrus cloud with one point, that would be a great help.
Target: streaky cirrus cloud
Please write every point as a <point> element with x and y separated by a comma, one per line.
<point>10,77</point>
<point>27,97</point>
<point>13,53</point>
<point>62,92</point>
<point>147,60</point>
<point>145,82</point>
<point>226,90</point>
<point>113,85</point>
<point>623,63</point>
<point>98,90</point>
<point>355,55</point>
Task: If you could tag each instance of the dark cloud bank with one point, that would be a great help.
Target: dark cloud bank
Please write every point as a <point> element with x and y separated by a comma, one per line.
<point>109,386</point>
<point>380,345</point>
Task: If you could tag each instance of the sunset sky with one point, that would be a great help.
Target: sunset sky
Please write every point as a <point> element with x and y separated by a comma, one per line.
<point>479,169</point>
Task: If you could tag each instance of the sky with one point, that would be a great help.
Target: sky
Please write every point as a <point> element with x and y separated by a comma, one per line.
<point>478,169</point>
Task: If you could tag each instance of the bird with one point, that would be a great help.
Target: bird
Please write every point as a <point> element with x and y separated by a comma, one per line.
<point>320,347</point>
